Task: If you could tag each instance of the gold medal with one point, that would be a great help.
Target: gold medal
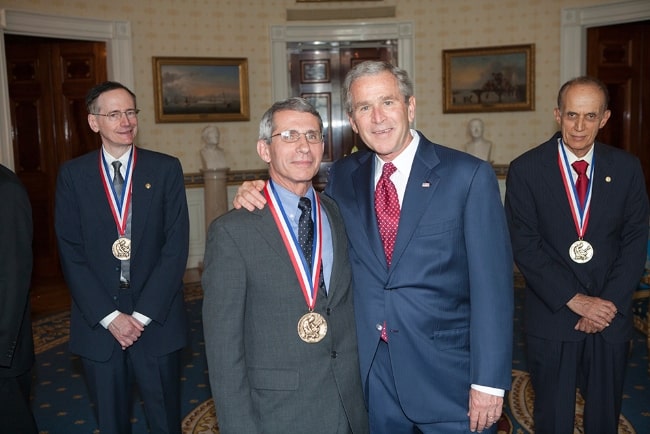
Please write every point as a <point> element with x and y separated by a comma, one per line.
<point>581,252</point>
<point>122,249</point>
<point>312,327</point>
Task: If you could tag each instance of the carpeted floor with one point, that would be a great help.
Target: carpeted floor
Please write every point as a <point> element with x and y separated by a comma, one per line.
<point>61,406</point>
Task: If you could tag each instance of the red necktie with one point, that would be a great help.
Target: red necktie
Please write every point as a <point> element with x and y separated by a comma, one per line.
<point>582,182</point>
<point>387,210</point>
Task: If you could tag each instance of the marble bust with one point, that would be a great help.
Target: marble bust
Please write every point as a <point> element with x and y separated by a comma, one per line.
<point>478,146</point>
<point>212,155</point>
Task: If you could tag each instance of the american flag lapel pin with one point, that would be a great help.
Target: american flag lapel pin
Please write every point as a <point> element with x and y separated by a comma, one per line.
<point>426,184</point>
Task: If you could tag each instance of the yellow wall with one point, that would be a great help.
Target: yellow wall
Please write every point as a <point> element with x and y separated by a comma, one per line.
<point>240,28</point>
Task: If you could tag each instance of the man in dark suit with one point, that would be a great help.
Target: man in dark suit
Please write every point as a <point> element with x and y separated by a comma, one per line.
<point>16,342</point>
<point>280,341</point>
<point>434,309</point>
<point>123,232</point>
<point>579,234</point>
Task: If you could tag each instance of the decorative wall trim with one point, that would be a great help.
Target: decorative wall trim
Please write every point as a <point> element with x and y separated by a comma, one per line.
<point>340,14</point>
<point>235,177</point>
<point>576,21</point>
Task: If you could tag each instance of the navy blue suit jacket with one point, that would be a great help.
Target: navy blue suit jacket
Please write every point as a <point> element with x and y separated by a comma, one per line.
<point>542,229</point>
<point>86,231</point>
<point>448,295</point>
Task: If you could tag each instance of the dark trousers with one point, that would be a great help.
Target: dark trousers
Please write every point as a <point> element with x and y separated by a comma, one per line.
<point>15,412</point>
<point>111,388</point>
<point>557,369</point>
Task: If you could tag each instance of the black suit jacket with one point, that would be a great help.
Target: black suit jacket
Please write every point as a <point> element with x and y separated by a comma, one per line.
<point>542,229</point>
<point>16,342</point>
<point>86,231</point>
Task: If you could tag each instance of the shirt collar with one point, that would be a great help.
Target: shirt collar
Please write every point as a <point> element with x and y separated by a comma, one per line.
<point>404,160</point>
<point>124,159</point>
<point>572,158</point>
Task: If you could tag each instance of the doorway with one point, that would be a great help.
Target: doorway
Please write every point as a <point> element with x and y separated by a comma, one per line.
<point>317,71</point>
<point>576,23</point>
<point>47,81</point>
<point>619,55</point>
<point>116,35</point>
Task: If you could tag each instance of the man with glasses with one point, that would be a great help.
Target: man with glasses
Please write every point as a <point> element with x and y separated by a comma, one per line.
<point>277,311</point>
<point>432,266</point>
<point>123,232</point>
<point>578,215</point>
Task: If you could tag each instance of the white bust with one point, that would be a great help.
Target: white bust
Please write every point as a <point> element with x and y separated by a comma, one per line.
<point>212,155</point>
<point>478,146</point>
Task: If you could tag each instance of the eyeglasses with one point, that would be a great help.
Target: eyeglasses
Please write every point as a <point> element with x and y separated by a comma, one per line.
<point>291,136</point>
<point>116,115</point>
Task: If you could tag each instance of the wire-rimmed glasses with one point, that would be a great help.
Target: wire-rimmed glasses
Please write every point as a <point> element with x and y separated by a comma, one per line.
<point>116,115</point>
<point>292,136</point>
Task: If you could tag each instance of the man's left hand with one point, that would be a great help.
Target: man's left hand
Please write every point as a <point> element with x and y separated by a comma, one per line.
<point>484,410</point>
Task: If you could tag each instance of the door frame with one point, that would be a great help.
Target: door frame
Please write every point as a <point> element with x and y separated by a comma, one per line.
<point>576,21</point>
<point>402,31</point>
<point>119,56</point>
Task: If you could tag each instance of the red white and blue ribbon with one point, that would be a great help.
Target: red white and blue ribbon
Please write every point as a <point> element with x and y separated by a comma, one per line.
<point>119,207</point>
<point>307,278</point>
<point>580,213</point>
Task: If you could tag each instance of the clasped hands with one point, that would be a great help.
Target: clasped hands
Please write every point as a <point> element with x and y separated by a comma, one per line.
<point>596,313</point>
<point>125,329</point>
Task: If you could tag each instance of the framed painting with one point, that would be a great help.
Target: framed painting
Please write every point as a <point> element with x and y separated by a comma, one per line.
<point>323,103</point>
<point>195,89</point>
<point>489,79</point>
<point>315,71</point>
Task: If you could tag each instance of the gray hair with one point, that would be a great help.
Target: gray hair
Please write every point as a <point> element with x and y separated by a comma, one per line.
<point>373,67</point>
<point>295,104</point>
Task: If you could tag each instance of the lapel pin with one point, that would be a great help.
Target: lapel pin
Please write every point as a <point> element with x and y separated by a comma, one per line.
<point>147,186</point>
<point>608,179</point>
<point>426,184</point>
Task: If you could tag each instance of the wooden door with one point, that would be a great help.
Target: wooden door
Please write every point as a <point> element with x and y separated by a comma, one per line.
<point>317,74</point>
<point>619,55</point>
<point>48,81</point>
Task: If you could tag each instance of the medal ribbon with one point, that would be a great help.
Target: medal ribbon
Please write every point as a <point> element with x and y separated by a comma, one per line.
<point>119,207</point>
<point>580,214</point>
<point>307,278</point>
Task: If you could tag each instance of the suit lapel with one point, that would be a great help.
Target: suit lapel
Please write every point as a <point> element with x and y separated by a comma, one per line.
<point>143,187</point>
<point>270,232</point>
<point>364,188</point>
<point>603,175</point>
<point>552,176</point>
<point>422,185</point>
<point>91,180</point>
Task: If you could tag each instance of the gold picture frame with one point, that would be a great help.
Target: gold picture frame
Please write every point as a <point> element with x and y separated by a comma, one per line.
<point>489,79</point>
<point>200,89</point>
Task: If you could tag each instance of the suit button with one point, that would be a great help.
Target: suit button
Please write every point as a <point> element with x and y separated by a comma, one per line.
<point>379,327</point>
<point>328,311</point>
<point>333,354</point>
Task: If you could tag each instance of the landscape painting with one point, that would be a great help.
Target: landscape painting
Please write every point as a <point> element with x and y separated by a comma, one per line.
<point>489,79</point>
<point>200,89</point>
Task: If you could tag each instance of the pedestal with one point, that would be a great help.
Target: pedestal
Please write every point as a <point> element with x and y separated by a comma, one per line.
<point>216,193</point>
